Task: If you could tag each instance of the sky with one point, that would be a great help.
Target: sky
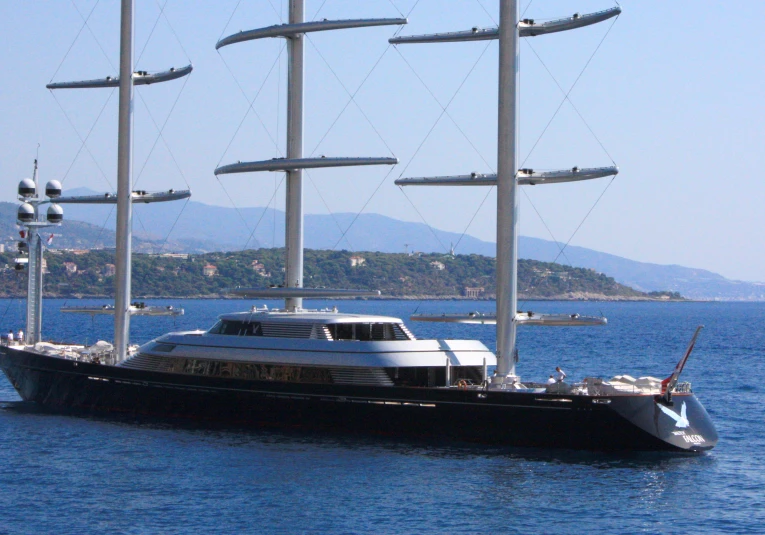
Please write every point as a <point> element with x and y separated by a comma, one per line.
<point>671,92</point>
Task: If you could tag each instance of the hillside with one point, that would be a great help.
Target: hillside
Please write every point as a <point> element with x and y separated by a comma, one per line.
<point>394,274</point>
<point>201,228</point>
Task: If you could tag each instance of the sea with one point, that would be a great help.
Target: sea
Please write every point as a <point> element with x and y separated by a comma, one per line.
<point>93,474</point>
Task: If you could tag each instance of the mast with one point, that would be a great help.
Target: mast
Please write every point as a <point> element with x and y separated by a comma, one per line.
<point>35,267</point>
<point>508,176</point>
<point>507,188</point>
<point>294,209</point>
<point>294,163</point>
<point>124,201</point>
<point>124,198</point>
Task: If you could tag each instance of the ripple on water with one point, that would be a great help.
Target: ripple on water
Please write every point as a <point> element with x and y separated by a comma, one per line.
<point>94,475</point>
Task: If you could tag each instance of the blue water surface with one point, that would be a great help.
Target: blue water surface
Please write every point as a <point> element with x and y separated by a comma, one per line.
<point>64,474</point>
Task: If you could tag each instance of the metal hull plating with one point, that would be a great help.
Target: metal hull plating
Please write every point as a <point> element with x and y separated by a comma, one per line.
<point>634,422</point>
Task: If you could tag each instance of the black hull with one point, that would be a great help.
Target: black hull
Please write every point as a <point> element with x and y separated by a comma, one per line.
<point>633,423</point>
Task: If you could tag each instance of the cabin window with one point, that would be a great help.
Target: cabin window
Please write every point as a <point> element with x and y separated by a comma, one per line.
<point>368,331</point>
<point>247,370</point>
<point>252,329</point>
<point>237,328</point>
<point>232,327</point>
<point>342,331</point>
<point>215,329</point>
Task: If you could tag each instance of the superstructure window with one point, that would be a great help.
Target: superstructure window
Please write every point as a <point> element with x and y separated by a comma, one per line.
<point>237,328</point>
<point>368,331</point>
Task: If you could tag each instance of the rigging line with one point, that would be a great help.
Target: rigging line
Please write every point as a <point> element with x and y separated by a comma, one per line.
<point>132,181</point>
<point>239,213</point>
<point>527,7</point>
<point>76,37</point>
<point>236,7</point>
<point>424,220</point>
<point>273,209</point>
<point>167,237</point>
<point>278,14</point>
<point>10,302</point>
<point>160,135</point>
<point>445,108</point>
<point>262,215</point>
<point>585,218</point>
<point>397,9</point>
<point>400,28</point>
<point>276,141</point>
<point>487,12</point>
<point>172,30</point>
<point>140,222</point>
<point>365,205</point>
<point>95,38</point>
<point>555,240</point>
<point>250,103</point>
<point>491,189</point>
<point>352,98</point>
<point>329,210</point>
<point>151,32</point>
<point>278,98</point>
<point>319,10</point>
<point>566,96</point>
<point>84,141</point>
<point>414,6</point>
<point>103,227</point>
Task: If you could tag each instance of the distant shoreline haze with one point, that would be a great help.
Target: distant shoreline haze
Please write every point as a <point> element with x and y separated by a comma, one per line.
<point>84,228</point>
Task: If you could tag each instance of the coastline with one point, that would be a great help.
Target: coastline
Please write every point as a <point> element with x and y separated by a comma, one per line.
<point>567,297</point>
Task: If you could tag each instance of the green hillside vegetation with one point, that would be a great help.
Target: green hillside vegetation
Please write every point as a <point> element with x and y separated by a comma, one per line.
<point>394,274</point>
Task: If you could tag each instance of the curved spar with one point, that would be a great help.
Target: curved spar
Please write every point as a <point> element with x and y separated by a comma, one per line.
<point>291,30</point>
<point>289,164</point>
<point>525,177</point>
<point>526,28</point>
<point>139,78</point>
<point>136,196</point>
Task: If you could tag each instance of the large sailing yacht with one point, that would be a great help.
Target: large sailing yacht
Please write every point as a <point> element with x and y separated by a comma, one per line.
<point>361,373</point>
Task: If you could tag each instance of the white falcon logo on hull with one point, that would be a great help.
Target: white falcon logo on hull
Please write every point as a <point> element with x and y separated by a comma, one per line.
<point>680,419</point>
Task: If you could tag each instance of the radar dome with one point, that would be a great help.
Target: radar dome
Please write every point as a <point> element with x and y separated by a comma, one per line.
<point>55,213</point>
<point>53,189</point>
<point>27,188</point>
<point>26,213</point>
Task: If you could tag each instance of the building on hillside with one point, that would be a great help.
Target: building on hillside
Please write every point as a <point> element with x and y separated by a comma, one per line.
<point>209,270</point>
<point>182,256</point>
<point>437,265</point>
<point>45,266</point>
<point>357,261</point>
<point>110,270</point>
<point>70,267</point>
<point>473,292</point>
<point>260,269</point>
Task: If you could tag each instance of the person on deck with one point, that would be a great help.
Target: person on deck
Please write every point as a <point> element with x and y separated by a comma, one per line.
<point>559,375</point>
<point>10,337</point>
<point>551,380</point>
<point>20,335</point>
